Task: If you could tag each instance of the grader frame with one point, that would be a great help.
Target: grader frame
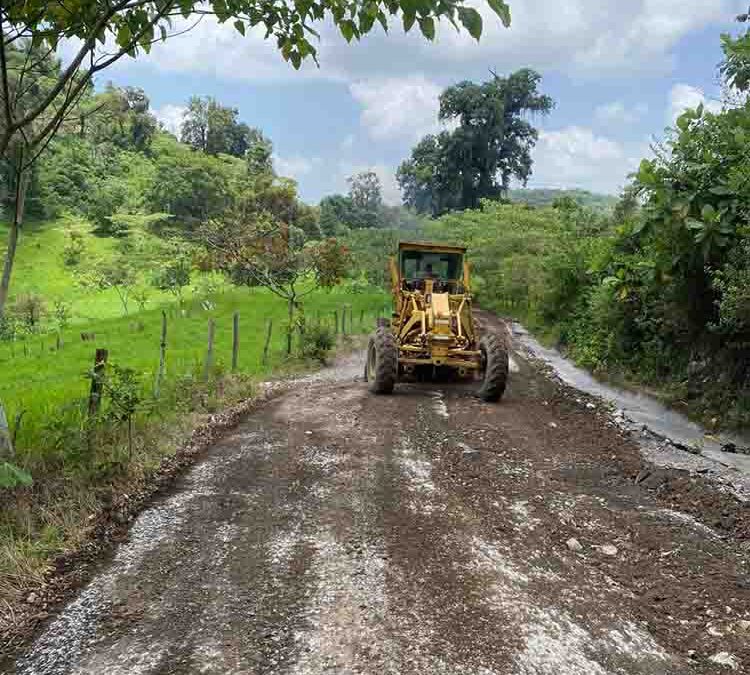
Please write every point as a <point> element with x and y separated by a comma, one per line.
<point>433,328</point>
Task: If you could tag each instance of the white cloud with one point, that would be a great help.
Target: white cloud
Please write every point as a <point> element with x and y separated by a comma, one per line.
<point>617,113</point>
<point>170,116</point>
<point>575,157</point>
<point>391,190</point>
<point>683,97</point>
<point>398,108</point>
<point>573,36</point>
<point>295,167</point>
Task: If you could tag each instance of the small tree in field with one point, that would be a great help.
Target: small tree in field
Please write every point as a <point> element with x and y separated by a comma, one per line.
<point>277,257</point>
<point>117,274</point>
<point>174,274</point>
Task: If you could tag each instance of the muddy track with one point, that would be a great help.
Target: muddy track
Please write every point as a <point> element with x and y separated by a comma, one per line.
<point>425,532</point>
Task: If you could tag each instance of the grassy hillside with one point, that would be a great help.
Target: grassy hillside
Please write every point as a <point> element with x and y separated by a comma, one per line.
<point>40,269</point>
<point>44,373</point>
<point>546,197</point>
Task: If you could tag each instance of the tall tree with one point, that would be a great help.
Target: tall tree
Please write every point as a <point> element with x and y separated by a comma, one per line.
<point>123,117</point>
<point>259,152</point>
<point>101,32</point>
<point>490,145</point>
<point>213,128</point>
<point>366,195</point>
<point>365,190</point>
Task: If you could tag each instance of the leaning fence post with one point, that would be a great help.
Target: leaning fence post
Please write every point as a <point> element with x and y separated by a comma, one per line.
<point>268,341</point>
<point>208,366</point>
<point>162,354</point>
<point>235,340</point>
<point>6,444</point>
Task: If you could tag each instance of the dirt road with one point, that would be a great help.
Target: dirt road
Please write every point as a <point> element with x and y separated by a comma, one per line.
<point>426,532</point>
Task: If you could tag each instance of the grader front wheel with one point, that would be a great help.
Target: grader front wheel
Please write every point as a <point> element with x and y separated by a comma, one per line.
<point>495,366</point>
<point>381,369</point>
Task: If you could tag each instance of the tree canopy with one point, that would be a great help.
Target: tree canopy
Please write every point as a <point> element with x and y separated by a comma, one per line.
<point>215,128</point>
<point>490,144</point>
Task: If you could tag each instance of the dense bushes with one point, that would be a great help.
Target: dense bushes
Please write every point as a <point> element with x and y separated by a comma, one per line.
<point>659,291</point>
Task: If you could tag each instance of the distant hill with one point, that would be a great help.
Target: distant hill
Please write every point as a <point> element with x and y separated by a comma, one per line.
<point>546,196</point>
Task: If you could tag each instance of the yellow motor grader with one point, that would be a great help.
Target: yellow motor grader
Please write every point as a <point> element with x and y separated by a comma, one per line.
<point>432,328</point>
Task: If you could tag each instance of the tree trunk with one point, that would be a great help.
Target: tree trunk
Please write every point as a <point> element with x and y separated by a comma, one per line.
<point>291,327</point>
<point>15,229</point>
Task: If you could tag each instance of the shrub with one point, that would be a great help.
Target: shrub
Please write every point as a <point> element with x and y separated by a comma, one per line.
<point>62,313</point>
<point>316,342</point>
<point>75,247</point>
<point>30,309</point>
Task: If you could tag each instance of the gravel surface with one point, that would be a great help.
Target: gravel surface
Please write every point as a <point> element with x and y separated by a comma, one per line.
<point>426,532</point>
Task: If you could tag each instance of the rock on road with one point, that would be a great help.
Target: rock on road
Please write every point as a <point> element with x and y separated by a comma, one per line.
<point>426,532</point>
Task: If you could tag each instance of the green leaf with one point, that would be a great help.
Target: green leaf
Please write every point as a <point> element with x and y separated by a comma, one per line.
<point>472,21</point>
<point>347,30</point>
<point>12,476</point>
<point>124,35</point>
<point>240,27</point>
<point>721,190</point>
<point>502,10</point>
<point>427,26</point>
<point>366,21</point>
<point>708,212</point>
<point>410,16</point>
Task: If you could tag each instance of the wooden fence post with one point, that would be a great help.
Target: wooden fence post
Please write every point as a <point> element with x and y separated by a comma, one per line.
<point>343,320</point>
<point>162,355</point>
<point>209,365</point>
<point>235,340</point>
<point>335,322</point>
<point>361,320</point>
<point>6,444</point>
<point>268,342</point>
<point>97,381</point>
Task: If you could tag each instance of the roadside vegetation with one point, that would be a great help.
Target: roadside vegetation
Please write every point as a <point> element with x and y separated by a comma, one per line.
<point>655,291</point>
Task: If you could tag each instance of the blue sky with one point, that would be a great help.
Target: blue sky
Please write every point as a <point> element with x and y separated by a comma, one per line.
<point>618,71</point>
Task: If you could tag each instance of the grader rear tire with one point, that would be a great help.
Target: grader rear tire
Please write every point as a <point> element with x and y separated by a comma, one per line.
<point>495,364</point>
<point>381,370</point>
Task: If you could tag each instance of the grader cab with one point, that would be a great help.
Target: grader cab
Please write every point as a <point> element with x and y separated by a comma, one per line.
<point>432,330</point>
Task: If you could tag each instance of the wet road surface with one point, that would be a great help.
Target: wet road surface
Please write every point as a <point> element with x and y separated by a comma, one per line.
<point>426,532</point>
